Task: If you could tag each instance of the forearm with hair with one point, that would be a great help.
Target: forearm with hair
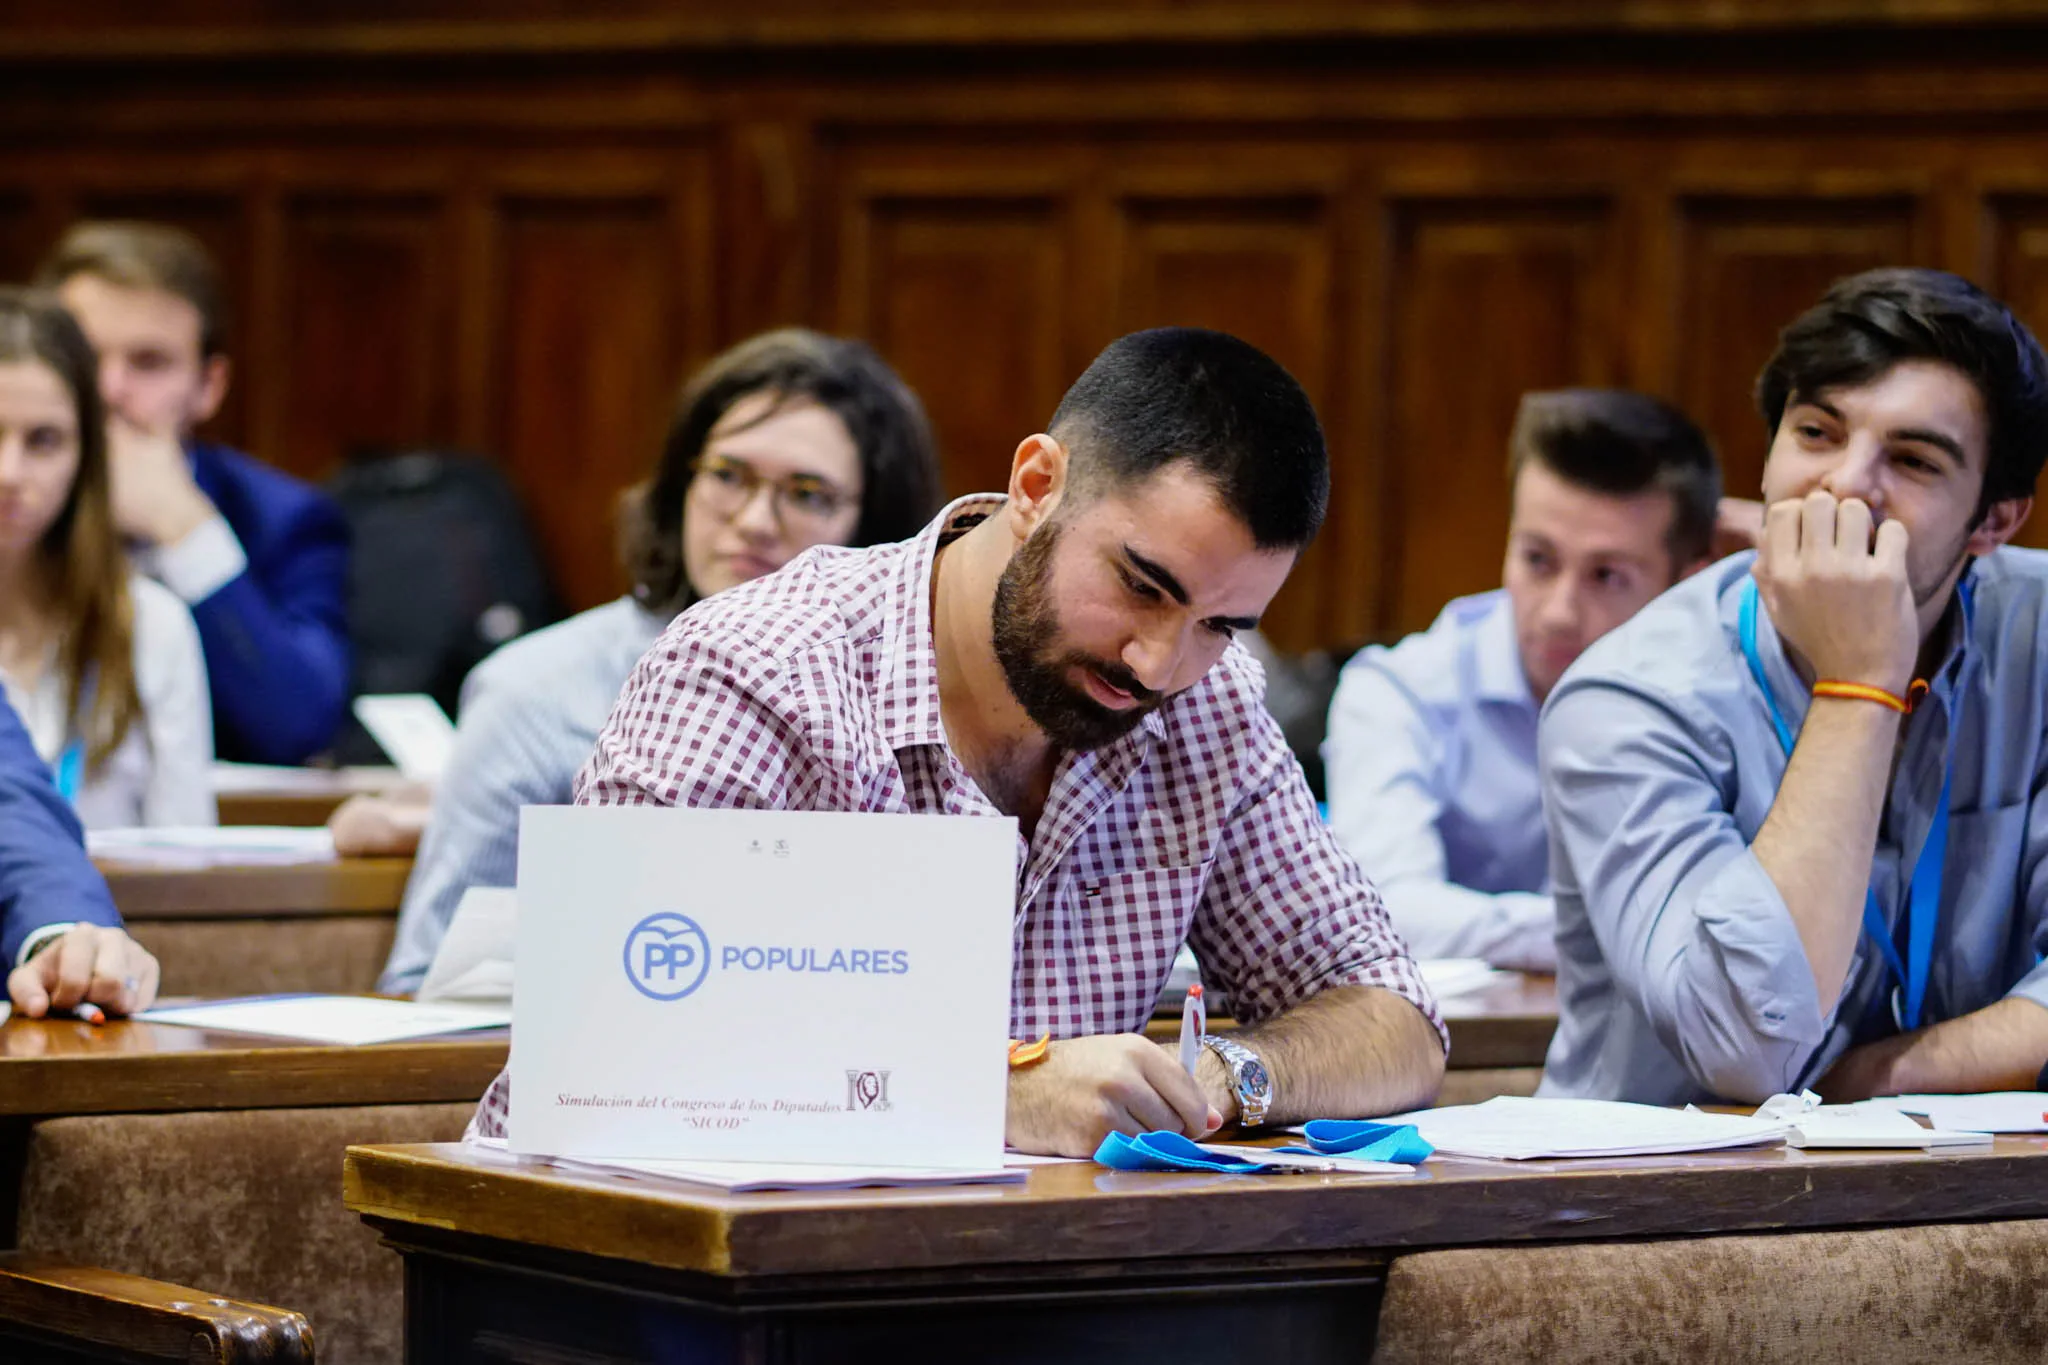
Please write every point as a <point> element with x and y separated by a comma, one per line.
<point>1347,1052</point>
<point>2000,1047</point>
<point>1816,843</point>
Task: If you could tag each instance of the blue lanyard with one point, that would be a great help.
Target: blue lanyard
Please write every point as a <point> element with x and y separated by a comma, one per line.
<point>1923,904</point>
<point>70,771</point>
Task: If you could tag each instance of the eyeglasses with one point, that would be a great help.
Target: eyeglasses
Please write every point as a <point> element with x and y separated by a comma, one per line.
<point>805,501</point>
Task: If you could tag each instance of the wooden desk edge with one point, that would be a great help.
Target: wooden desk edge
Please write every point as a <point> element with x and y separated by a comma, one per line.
<point>741,1236</point>
<point>377,1181</point>
<point>442,1071</point>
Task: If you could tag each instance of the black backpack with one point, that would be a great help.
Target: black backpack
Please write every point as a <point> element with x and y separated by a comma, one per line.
<point>443,571</point>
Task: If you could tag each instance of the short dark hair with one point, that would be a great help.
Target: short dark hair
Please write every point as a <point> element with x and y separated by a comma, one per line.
<point>899,462</point>
<point>144,256</point>
<point>1622,443</point>
<point>1866,324</point>
<point>1175,394</point>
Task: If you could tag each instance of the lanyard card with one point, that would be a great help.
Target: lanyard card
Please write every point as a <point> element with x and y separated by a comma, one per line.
<point>782,986</point>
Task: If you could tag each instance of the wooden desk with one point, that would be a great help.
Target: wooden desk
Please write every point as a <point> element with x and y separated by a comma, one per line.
<point>1081,1263</point>
<point>301,797</point>
<point>247,930</point>
<point>64,1067</point>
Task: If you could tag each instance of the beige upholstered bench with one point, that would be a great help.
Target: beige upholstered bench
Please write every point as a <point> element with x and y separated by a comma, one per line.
<point>1958,1294</point>
<point>246,1202</point>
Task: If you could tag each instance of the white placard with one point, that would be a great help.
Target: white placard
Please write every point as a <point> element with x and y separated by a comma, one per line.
<point>412,728</point>
<point>781,986</point>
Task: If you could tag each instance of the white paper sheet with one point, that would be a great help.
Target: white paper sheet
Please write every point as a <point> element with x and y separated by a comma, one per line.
<point>1871,1124</point>
<point>749,1177</point>
<point>474,961</point>
<point>346,1020</point>
<point>182,848</point>
<point>1519,1128</point>
<point>2004,1111</point>
<point>1453,976</point>
<point>412,728</point>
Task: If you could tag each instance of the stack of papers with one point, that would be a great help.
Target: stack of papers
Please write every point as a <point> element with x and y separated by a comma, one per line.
<point>1869,1124</point>
<point>343,1020</point>
<point>2005,1111</point>
<point>211,846</point>
<point>1517,1128</point>
<point>748,1177</point>
<point>1452,976</point>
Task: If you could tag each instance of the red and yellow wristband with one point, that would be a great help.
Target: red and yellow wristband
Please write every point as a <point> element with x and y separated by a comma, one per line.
<point>1855,691</point>
<point>1023,1054</point>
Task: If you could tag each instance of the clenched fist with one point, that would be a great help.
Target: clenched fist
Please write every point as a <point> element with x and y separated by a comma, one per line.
<point>1838,594</point>
<point>90,963</point>
<point>150,483</point>
<point>1087,1088</point>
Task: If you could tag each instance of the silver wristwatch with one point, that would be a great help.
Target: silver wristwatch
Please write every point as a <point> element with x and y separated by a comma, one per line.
<point>1249,1079</point>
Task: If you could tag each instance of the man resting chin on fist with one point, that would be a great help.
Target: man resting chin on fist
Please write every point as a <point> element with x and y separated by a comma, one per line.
<point>1799,805</point>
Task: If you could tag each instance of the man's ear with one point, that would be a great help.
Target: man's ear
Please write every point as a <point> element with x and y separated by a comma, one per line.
<point>1690,569</point>
<point>214,373</point>
<point>1038,479</point>
<point>2001,523</point>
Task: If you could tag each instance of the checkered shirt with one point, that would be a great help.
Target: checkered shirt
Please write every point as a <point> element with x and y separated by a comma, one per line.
<point>817,688</point>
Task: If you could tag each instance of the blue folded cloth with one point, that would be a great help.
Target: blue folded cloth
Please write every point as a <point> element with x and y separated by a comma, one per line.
<point>1365,1140</point>
<point>1164,1151</point>
<point>1359,1140</point>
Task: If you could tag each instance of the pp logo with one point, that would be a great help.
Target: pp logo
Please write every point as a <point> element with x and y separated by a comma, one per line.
<point>667,956</point>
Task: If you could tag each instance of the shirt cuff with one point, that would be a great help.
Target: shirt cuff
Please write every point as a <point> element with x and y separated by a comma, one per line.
<point>2033,986</point>
<point>200,565</point>
<point>38,937</point>
<point>1759,967</point>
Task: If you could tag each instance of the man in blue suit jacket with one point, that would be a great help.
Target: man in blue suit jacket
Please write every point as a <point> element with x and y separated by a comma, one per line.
<point>261,558</point>
<point>59,933</point>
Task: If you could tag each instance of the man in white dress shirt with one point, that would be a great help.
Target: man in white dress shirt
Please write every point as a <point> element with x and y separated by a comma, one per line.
<point>1431,754</point>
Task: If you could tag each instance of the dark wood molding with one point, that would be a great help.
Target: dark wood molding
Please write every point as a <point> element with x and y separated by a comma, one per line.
<point>202,32</point>
<point>347,886</point>
<point>91,1314</point>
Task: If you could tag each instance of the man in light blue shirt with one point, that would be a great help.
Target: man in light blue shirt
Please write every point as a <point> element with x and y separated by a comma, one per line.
<point>1431,753</point>
<point>1868,916</point>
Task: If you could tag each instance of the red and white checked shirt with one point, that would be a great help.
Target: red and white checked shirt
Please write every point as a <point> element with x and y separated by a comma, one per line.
<point>817,688</point>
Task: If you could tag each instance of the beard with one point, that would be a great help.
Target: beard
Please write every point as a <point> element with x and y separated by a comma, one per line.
<point>1926,585</point>
<point>1027,630</point>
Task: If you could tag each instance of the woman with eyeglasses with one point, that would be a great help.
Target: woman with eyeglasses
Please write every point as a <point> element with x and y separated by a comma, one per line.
<point>786,441</point>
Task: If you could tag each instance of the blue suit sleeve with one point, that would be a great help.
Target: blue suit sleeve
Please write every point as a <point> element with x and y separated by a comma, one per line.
<point>45,877</point>
<point>276,640</point>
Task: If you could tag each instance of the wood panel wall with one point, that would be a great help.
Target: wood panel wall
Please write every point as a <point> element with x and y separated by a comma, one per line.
<point>516,236</point>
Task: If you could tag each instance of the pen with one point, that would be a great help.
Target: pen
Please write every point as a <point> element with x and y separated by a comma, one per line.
<point>89,1012</point>
<point>1194,1022</point>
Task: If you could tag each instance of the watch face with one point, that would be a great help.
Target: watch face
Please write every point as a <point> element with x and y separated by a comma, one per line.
<point>1254,1074</point>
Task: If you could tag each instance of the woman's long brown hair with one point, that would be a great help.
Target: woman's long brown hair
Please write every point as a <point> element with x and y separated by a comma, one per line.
<point>84,568</point>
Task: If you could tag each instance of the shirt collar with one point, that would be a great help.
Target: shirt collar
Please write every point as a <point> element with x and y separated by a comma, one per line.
<point>907,695</point>
<point>1497,655</point>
